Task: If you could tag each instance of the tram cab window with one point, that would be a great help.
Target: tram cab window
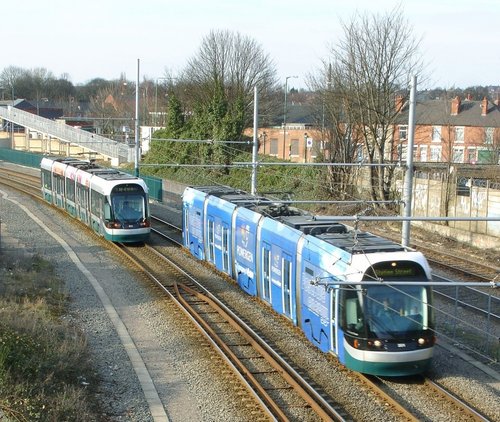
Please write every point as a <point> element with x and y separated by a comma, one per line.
<point>107,211</point>
<point>390,310</point>
<point>351,313</point>
<point>128,207</point>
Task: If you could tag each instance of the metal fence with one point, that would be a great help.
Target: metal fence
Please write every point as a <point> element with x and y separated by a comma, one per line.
<point>57,129</point>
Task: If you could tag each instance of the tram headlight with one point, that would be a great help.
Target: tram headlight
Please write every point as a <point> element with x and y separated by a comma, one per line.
<point>375,344</point>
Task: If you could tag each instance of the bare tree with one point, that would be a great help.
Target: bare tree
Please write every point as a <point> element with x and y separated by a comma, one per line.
<point>370,65</point>
<point>223,74</point>
<point>8,79</point>
<point>113,108</point>
<point>337,132</point>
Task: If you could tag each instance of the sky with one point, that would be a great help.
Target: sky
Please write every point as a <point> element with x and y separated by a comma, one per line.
<point>459,39</point>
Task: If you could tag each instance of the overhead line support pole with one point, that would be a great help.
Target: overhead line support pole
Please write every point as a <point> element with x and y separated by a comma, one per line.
<point>137,149</point>
<point>255,148</point>
<point>408,184</point>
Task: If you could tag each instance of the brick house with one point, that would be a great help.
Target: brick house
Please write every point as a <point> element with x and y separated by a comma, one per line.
<point>299,140</point>
<point>459,131</point>
<point>455,131</point>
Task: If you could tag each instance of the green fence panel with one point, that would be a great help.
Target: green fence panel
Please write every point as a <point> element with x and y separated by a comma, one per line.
<point>24,158</point>
<point>155,186</point>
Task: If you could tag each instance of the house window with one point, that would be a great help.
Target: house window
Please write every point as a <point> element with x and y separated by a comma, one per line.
<point>403,132</point>
<point>488,139</point>
<point>471,155</point>
<point>436,133</point>
<point>458,155</point>
<point>435,153</point>
<point>402,151</point>
<point>294,148</point>
<point>485,156</point>
<point>274,146</point>
<point>459,134</point>
<point>423,152</point>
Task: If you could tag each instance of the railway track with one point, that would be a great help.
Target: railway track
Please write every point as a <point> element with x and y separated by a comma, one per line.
<point>457,409</point>
<point>200,302</point>
<point>276,386</point>
<point>26,183</point>
<point>471,269</point>
<point>387,391</point>
<point>392,392</point>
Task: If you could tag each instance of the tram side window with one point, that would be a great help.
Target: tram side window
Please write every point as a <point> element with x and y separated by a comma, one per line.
<point>81,195</point>
<point>96,203</point>
<point>70,189</point>
<point>47,179</point>
<point>59,182</point>
<point>85,197</point>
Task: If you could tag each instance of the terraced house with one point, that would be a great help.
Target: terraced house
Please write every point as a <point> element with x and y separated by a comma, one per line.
<point>453,131</point>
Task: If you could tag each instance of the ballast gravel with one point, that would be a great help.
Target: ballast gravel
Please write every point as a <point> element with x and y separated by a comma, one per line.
<point>191,385</point>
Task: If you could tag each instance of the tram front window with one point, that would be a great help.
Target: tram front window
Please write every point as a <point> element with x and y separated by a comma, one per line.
<point>129,208</point>
<point>390,311</point>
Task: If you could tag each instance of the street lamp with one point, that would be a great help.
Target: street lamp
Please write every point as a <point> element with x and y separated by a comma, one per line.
<point>305,147</point>
<point>284,113</point>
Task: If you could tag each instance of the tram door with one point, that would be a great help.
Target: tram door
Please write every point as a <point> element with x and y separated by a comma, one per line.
<point>266,272</point>
<point>211,241</point>
<point>186,230</point>
<point>286,272</point>
<point>333,319</point>
<point>225,248</point>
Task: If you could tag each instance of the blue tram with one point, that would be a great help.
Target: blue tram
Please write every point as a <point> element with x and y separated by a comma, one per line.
<point>358,296</point>
<point>114,204</point>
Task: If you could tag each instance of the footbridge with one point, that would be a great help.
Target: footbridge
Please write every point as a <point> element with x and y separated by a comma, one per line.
<point>68,136</point>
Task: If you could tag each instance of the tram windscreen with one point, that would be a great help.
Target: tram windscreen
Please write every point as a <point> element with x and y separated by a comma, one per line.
<point>394,310</point>
<point>128,203</point>
<point>390,310</point>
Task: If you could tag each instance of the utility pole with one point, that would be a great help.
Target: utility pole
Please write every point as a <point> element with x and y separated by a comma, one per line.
<point>408,184</point>
<point>137,149</point>
<point>284,114</point>
<point>255,148</point>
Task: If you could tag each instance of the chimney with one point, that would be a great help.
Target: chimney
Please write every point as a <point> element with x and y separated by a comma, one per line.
<point>455,106</point>
<point>484,107</point>
<point>399,103</point>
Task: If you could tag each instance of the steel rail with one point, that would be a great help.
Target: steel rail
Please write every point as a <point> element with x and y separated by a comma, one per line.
<point>315,400</point>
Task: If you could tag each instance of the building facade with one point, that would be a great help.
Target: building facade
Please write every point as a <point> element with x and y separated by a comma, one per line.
<point>451,131</point>
<point>446,131</point>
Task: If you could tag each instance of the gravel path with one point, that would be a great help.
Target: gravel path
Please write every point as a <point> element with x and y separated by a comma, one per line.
<point>177,367</point>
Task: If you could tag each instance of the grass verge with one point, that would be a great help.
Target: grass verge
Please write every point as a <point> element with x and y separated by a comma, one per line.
<point>45,372</point>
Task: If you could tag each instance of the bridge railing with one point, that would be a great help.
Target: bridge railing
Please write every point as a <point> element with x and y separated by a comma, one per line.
<point>65,133</point>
